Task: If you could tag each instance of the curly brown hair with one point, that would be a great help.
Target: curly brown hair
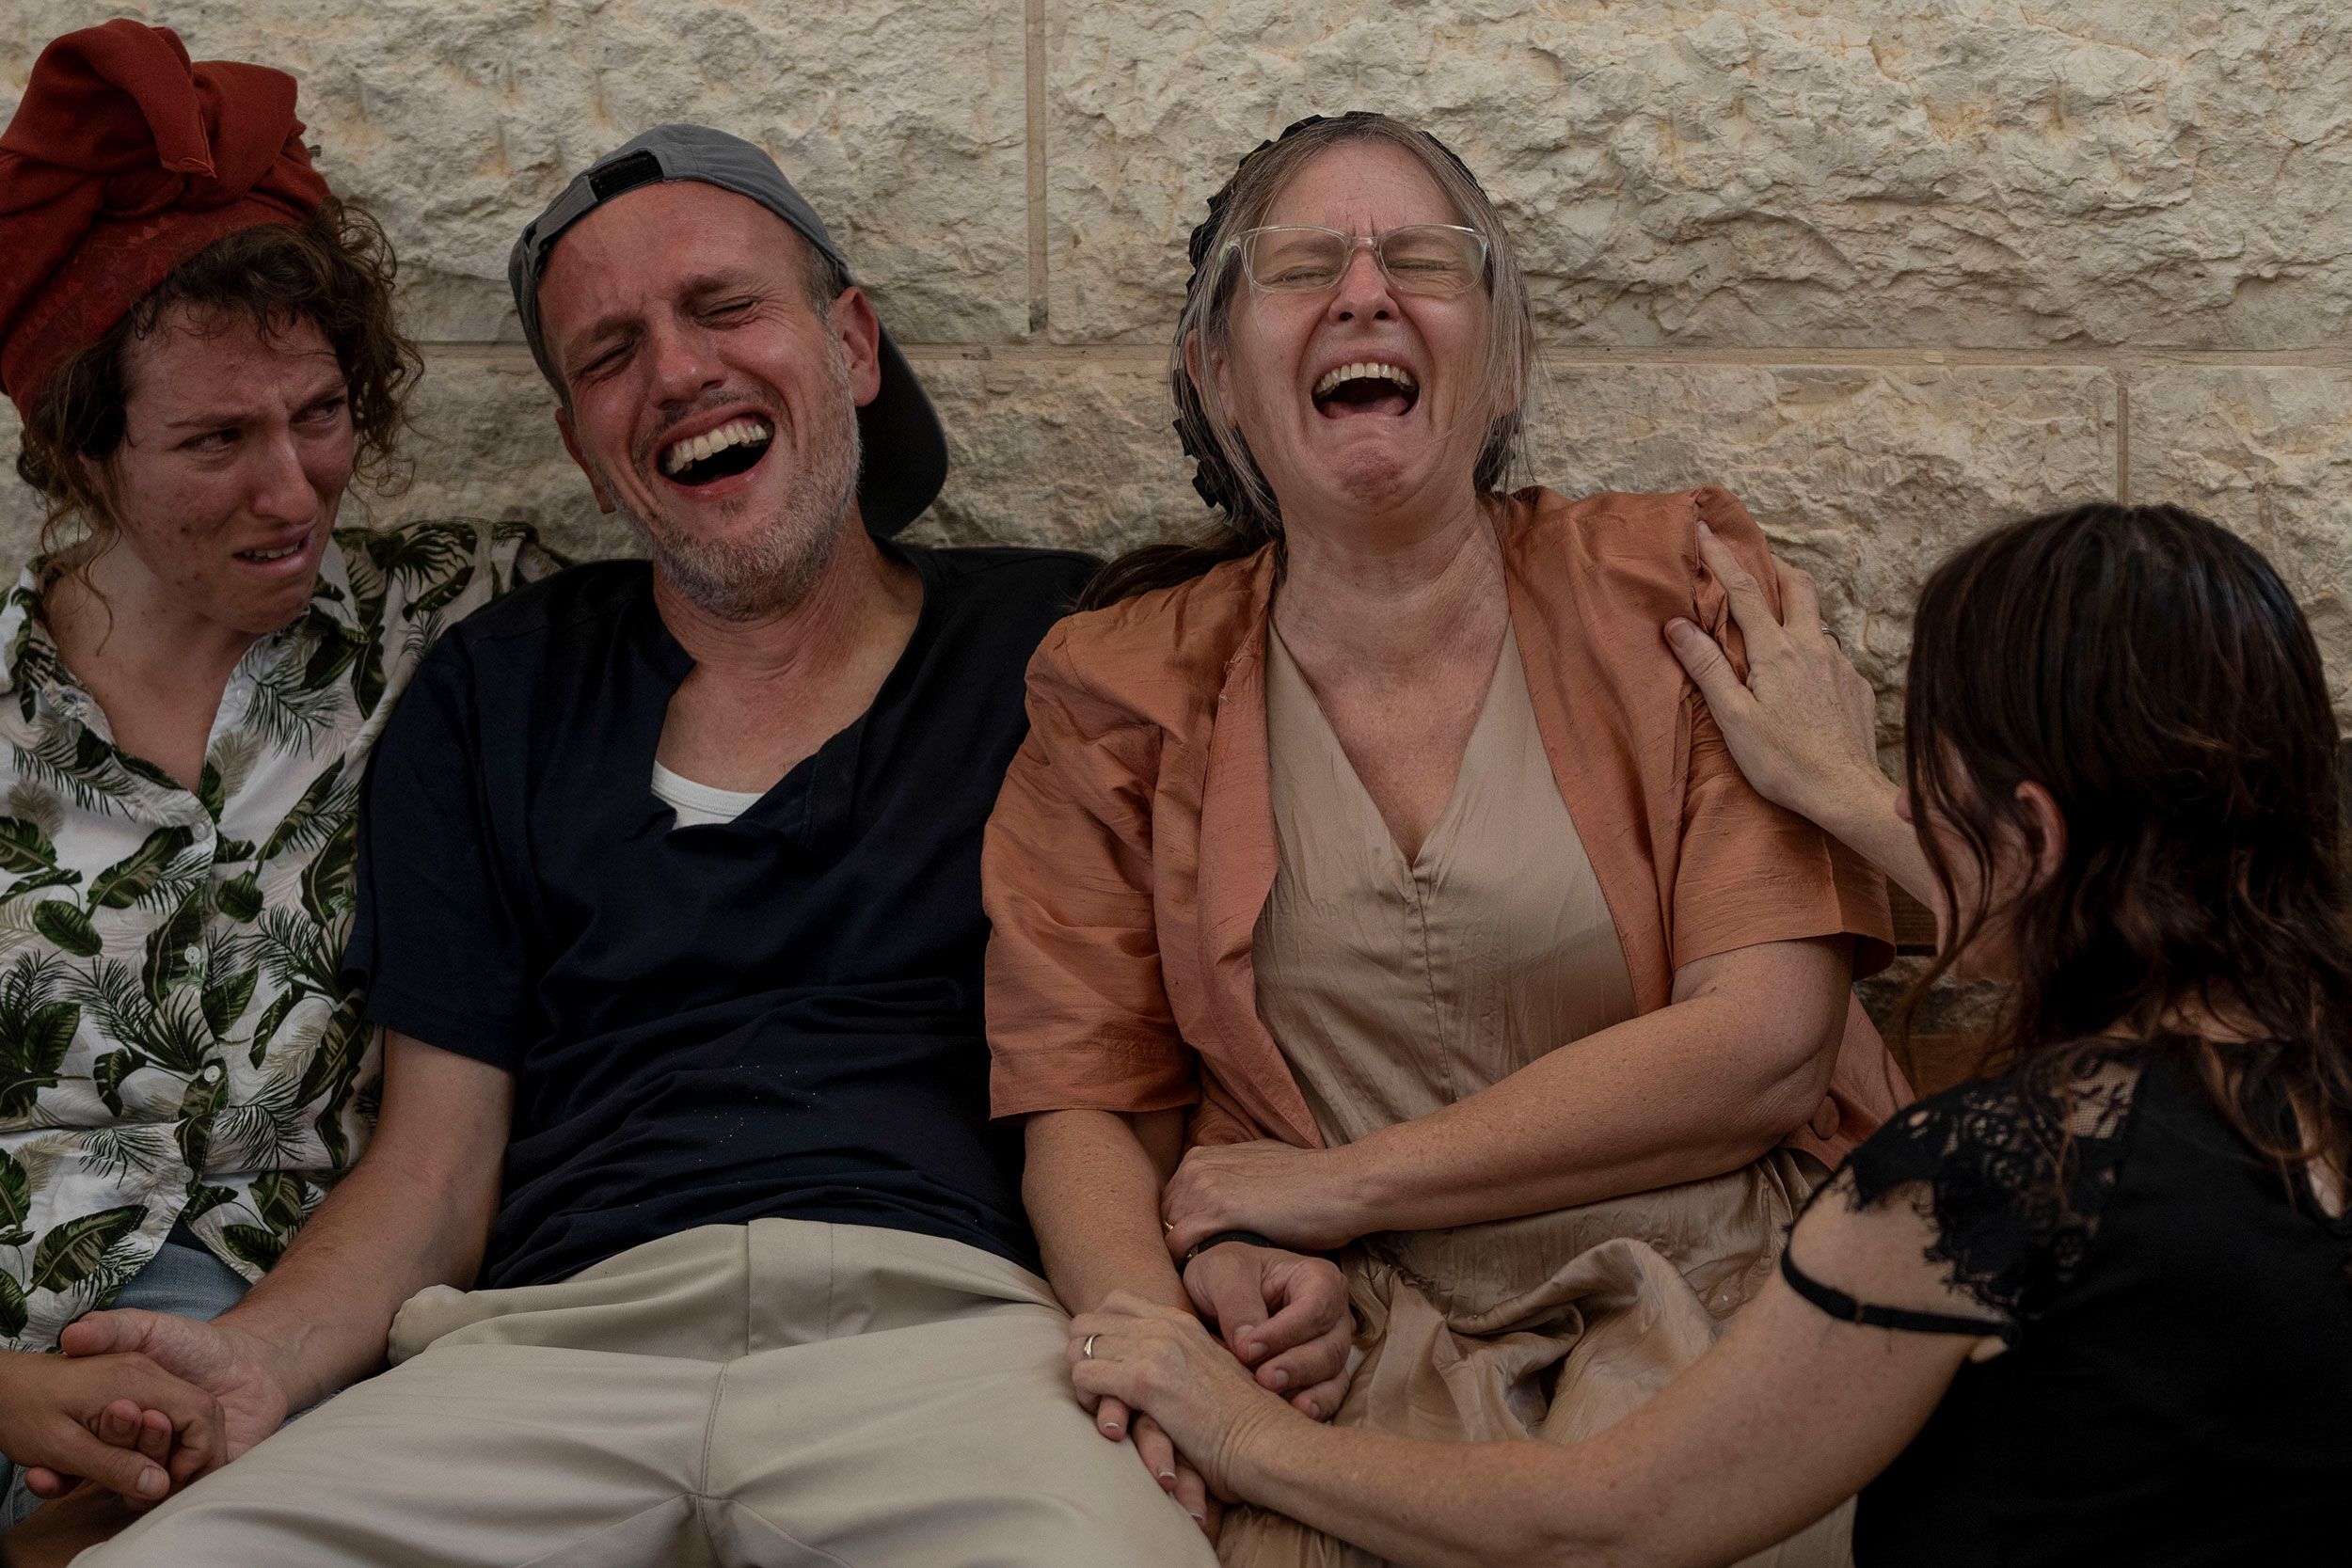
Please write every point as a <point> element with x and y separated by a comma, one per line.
<point>335,271</point>
<point>2151,671</point>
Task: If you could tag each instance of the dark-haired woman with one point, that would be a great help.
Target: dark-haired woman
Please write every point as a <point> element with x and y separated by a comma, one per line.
<point>1380,860</point>
<point>199,337</point>
<point>2097,1308</point>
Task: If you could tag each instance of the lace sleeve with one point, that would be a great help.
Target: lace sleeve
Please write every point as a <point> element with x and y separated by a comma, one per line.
<point>2010,1173</point>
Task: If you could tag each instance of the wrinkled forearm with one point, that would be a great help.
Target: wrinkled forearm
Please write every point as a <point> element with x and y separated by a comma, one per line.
<point>1434,1505</point>
<point>1789,1415</point>
<point>1092,1189</point>
<point>1698,1088</point>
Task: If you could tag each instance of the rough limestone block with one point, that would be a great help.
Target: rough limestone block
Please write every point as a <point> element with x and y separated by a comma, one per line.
<point>904,124</point>
<point>484,445</point>
<point>1865,476</point>
<point>1768,171</point>
<point>1076,453</point>
<point>20,510</point>
<point>2267,453</point>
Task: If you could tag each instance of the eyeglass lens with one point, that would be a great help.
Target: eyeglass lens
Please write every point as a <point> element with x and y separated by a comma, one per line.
<point>1421,258</point>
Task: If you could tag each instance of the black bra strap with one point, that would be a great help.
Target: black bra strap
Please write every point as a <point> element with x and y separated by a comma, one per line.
<point>1838,1304</point>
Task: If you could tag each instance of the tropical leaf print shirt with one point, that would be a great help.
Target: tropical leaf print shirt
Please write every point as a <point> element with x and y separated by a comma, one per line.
<point>176,1046</point>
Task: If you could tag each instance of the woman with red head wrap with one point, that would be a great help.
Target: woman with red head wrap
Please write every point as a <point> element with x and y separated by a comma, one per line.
<point>200,338</point>
<point>125,160</point>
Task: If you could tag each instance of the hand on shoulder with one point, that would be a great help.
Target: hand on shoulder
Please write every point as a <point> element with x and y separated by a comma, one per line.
<point>1802,724</point>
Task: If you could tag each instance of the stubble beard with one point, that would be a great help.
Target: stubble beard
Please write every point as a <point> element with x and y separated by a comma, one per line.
<point>771,572</point>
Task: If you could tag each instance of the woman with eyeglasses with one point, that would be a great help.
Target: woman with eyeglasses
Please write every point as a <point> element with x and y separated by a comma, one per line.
<point>1374,884</point>
<point>2094,1307</point>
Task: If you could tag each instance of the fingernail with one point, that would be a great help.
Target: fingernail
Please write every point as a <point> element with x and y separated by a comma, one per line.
<point>1251,1353</point>
<point>1110,1429</point>
<point>1281,1378</point>
<point>1707,531</point>
<point>1167,1475</point>
<point>151,1484</point>
<point>1679,630</point>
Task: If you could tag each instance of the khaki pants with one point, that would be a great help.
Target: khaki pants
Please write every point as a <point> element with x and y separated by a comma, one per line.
<point>781,1393</point>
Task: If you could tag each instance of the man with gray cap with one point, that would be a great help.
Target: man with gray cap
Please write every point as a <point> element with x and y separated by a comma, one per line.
<point>669,906</point>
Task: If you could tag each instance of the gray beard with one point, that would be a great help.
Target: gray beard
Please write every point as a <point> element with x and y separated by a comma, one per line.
<point>770,573</point>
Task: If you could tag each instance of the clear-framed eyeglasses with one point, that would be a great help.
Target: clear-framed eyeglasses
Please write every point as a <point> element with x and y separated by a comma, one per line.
<point>1416,259</point>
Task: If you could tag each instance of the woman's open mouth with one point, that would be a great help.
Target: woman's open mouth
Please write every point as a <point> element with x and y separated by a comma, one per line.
<point>735,448</point>
<point>1366,386</point>
<point>288,555</point>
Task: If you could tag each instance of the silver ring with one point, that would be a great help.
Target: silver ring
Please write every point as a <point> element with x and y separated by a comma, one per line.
<point>1086,1351</point>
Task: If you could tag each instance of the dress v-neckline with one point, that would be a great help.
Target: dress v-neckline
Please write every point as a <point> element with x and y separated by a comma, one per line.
<point>1415,866</point>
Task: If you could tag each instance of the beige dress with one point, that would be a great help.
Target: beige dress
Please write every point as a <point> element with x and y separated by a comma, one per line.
<point>1395,989</point>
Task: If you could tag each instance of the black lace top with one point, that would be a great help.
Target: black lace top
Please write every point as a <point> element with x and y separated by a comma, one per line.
<point>2178,1383</point>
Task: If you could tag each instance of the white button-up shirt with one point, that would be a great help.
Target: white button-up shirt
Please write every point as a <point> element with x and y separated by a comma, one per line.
<point>176,1043</point>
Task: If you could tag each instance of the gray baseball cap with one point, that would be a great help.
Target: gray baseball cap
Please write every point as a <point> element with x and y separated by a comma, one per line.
<point>906,452</point>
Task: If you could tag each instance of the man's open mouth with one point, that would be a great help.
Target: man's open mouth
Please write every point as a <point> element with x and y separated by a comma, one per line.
<point>732,449</point>
<point>1366,386</point>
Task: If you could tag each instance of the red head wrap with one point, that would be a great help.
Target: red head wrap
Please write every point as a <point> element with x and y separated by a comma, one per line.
<point>123,161</point>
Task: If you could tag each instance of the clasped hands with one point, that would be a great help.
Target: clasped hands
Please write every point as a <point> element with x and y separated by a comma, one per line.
<point>1281,1327</point>
<point>1276,1321</point>
<point>1165,1364</point>
<point>117,1420</point>
<point>1281,1312</point>
<point>141,1404</point>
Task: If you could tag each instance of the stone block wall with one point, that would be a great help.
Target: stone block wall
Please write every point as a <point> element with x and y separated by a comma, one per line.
<point>1892,269</point>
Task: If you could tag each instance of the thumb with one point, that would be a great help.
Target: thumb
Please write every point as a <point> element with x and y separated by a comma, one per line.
<point>1238,1304</point>
<point>103,1334</point>
<point>1708,670</point>
<point>123,1470</point>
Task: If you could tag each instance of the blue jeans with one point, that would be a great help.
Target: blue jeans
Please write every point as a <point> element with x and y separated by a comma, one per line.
<point>183,1279</point>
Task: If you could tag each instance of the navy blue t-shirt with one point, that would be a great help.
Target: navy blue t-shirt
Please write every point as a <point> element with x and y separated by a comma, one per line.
<point>777,1017</point>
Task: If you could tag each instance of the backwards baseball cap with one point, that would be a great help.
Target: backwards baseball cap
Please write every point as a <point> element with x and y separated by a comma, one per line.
<point>905,450</point>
